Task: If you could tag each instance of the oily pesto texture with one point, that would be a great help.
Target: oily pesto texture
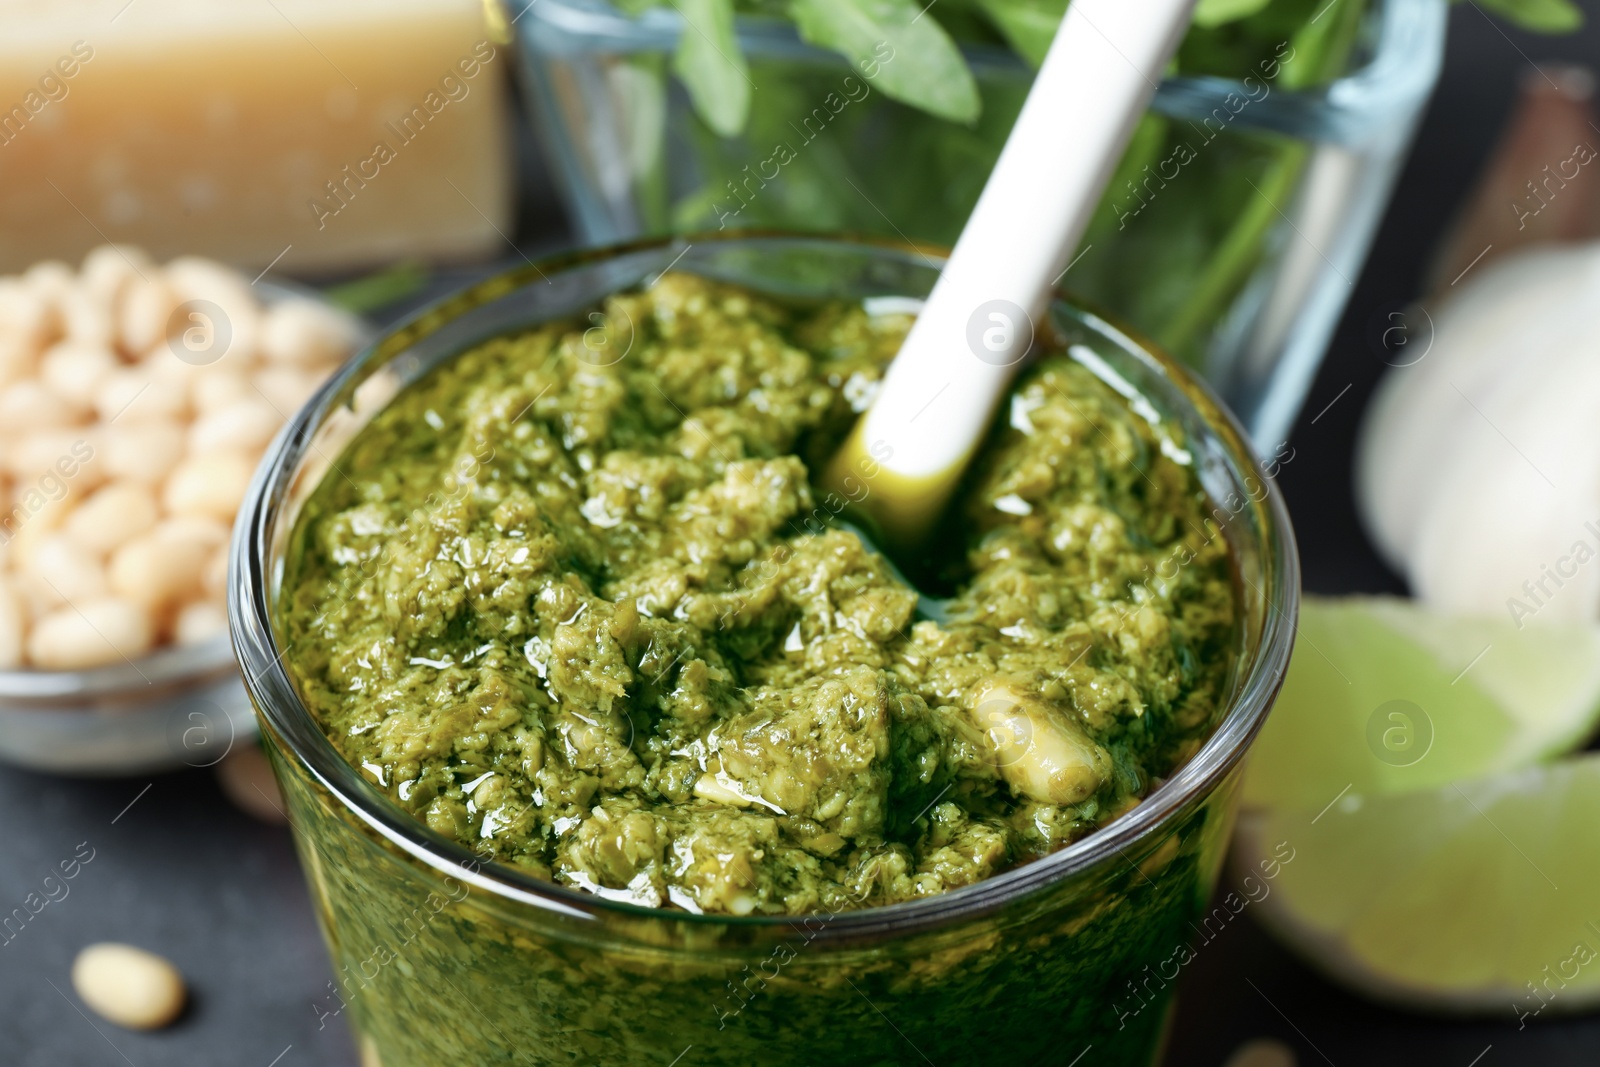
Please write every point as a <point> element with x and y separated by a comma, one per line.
<point>582,611</point>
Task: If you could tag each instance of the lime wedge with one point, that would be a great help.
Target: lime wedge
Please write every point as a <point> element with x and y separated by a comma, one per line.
<point>1384,697</point>
<point>1477,896</point>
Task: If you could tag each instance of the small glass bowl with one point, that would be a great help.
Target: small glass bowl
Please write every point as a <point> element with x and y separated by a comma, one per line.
<point>178,706</point>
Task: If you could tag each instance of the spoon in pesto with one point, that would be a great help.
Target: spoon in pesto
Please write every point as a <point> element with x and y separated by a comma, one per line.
<point>912,445</point>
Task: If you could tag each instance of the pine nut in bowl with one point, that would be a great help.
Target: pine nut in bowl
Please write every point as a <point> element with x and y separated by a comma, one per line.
<point>135,400</point>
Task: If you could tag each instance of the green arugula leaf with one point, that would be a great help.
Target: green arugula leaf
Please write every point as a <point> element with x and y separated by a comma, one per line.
<point>1027,25</point>
<point>916,61</point>
<point>633,8</point>
<point>1540,16</point>
<point>712,68</point>
<point>1210,13</point>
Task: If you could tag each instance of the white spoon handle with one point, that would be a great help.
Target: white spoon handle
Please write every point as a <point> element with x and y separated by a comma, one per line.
<point>940,392</point>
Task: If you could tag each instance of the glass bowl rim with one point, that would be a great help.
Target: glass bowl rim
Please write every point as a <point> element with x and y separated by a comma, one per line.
<point>26,688</point>
<point>289,721</point>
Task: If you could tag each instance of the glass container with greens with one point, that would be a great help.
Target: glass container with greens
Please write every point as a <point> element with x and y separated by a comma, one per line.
<point>1230,234</point>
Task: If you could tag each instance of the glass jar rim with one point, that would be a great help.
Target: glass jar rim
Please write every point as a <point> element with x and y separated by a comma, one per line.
<point>252,595</point>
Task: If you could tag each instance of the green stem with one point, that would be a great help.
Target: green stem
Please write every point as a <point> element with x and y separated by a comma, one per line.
<point>1237,254</point>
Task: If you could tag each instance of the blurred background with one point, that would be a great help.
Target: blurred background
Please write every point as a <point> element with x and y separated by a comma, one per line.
<point>385,155</point>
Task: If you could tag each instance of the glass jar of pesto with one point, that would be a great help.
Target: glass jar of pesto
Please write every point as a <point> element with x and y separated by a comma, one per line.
<point>444,954</point>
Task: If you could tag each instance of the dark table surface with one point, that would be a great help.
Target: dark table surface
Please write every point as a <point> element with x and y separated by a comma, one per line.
<point>179,869</point>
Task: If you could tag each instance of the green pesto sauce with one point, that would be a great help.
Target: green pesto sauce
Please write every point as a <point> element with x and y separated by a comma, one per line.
<point>587,615</point>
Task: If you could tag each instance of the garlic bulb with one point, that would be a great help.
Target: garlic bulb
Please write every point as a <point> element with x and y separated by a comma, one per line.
<point>1478,467</point>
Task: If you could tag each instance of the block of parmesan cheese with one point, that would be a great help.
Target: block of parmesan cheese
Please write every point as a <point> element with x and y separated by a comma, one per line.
<point>330,133</point>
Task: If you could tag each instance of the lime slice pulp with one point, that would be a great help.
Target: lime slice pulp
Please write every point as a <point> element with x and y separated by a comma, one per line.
<point>1475,896</point>
<point>1385,697</point>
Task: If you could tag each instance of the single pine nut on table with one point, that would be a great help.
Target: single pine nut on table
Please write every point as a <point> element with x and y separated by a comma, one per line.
<point>129,986</point>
